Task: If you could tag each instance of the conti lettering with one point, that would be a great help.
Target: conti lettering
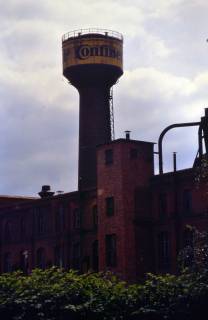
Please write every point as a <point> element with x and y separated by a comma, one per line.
<point>85,52</point>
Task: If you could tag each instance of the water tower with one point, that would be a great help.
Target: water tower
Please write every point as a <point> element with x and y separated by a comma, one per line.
<point>92,62</point>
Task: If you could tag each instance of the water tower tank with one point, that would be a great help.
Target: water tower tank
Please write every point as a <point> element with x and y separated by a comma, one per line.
<point>92,62</point>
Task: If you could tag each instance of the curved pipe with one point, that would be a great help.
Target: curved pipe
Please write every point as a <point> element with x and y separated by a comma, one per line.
<point>200,137</point>
<point>176,125</point>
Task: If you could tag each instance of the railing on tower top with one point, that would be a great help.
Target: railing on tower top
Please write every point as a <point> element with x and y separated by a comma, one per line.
<point>104,32</point>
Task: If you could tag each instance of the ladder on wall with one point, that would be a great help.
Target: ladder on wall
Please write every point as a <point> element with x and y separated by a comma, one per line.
<point>111,115</point>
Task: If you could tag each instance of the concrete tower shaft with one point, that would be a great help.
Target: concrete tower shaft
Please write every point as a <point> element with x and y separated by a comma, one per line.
<point>92,62</point>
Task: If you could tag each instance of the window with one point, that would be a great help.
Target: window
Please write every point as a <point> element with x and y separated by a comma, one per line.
<point>22,229</point>
<point>7,262</point>
<point>60,219</point>
<point>188,255</point>
<point>59,256</point>
<point>8,232</point>
<point>95,216</point>
<point>188,237</point>
<point>41,221</point>
<point>162,205</point>
<point>163,250</point>
<point>187,201</point>
<point>85,264</point>
<point>110,206</point>
<point>108,156</point>
<point>76,218</point>
<point>76,256</point>
<point>133,153</point>
<point>95,256</point>
<point>24,263</point>
<point>40,258</point>
<point>110,247</point>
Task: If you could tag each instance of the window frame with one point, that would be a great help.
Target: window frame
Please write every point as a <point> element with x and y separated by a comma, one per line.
<point>187,201</point>
<point>110,206</point>
<point>109,157</point>
<point>164,253</point>
<point>111,250</point>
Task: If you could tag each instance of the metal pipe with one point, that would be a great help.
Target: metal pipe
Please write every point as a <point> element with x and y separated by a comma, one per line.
<point>204,128</point>
<point>200,142</point>
<point>175,125</point>
<point>174,162</point>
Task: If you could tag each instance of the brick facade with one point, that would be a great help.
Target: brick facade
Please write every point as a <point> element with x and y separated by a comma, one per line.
<point>132,223</point>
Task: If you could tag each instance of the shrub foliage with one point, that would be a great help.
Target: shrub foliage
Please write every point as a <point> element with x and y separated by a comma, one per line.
<point>58,295</point>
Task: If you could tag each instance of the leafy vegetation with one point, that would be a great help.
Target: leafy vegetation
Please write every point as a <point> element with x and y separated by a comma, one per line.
<point>55,294</point>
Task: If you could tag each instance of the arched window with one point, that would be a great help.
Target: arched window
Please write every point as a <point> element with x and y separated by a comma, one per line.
<point>7,262</point>
<point>59,256</point>
<point>41,258</point>
<point>8,232</point>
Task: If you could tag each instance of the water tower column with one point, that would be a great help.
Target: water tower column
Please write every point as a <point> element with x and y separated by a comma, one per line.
<point>92,62</point>
<point>94,129</point>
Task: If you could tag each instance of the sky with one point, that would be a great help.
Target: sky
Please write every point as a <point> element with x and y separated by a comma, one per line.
<point>165,81</point>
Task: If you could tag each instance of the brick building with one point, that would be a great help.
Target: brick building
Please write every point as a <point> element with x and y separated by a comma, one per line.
<point>132,223</point>
<point>123,218</point>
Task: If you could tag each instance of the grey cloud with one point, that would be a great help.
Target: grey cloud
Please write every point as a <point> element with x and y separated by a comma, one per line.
<point>24,9</point>
<point>165,82</point>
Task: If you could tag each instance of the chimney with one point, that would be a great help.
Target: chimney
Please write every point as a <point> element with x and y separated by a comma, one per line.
<point>45,192</point>
<point>127,132</point>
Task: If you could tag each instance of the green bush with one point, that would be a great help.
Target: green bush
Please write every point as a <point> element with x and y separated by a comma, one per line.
<point>58,295</point>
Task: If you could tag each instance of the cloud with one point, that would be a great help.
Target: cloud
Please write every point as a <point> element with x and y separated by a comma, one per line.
<point>148,100</point>
<point>165,81</point>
